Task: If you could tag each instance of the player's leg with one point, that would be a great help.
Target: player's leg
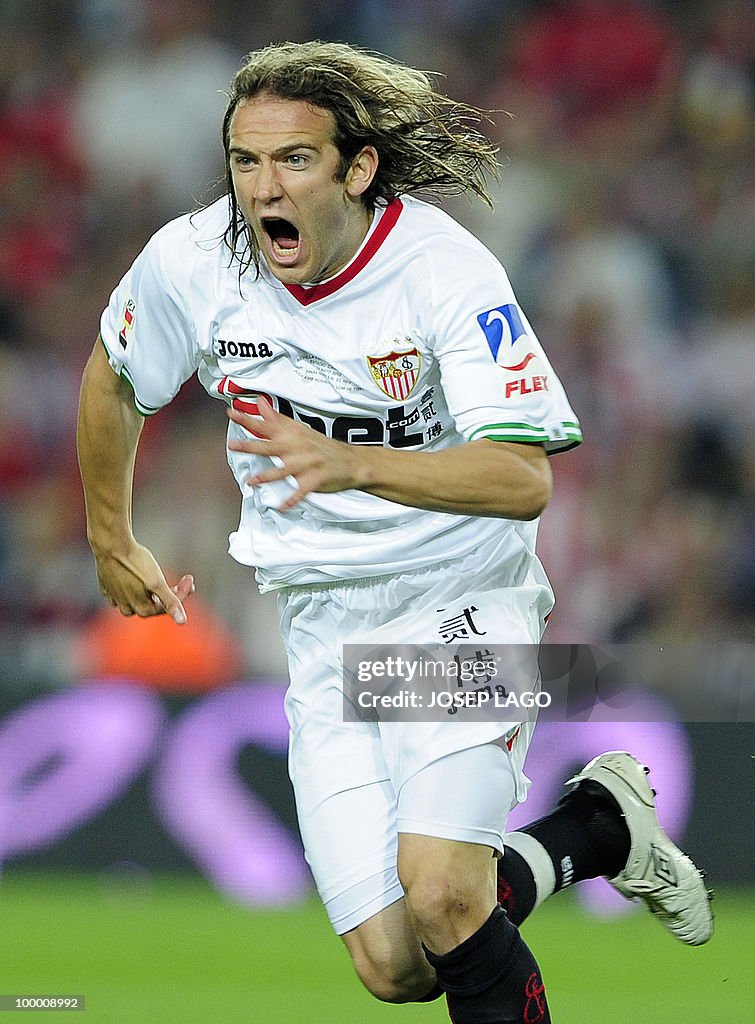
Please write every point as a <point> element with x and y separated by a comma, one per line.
<point>350,843</point>
<point>388,957</point>
<point>346,804</point>
<point>606,825</point>
<point>451,815</point>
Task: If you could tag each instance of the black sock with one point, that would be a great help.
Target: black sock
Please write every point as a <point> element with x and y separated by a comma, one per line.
<point>492,977</point>
<point>517,892</point>
<point>585,837</point>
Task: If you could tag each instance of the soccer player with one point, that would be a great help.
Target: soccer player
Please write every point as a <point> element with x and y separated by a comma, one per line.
<point>392,415</point>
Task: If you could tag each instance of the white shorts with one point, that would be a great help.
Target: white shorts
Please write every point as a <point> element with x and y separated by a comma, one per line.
<point>359,784</point>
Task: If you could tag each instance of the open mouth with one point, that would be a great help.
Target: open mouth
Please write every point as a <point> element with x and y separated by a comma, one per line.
<point>284,239</point>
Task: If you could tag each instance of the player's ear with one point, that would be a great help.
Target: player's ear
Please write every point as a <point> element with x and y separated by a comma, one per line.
<point>362,171</point>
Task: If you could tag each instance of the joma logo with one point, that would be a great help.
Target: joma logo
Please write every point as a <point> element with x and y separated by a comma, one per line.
<point>243,349</point>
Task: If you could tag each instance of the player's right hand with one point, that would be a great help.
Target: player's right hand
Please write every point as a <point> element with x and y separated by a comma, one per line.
<point>133,582</point>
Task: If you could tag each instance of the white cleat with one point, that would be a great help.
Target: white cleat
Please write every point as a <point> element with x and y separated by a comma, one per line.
<point>656,870</point>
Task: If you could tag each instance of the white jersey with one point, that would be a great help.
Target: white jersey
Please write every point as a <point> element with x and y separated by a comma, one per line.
<point>417,344</point>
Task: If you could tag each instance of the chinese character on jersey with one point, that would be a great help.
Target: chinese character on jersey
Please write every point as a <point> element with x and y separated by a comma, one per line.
<point>476,666</point>
<point>459,627</point>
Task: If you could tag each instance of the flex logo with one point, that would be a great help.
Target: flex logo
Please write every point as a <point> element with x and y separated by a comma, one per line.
<point>501,326</point>
<point>521,386</point>
<point>527,385</point>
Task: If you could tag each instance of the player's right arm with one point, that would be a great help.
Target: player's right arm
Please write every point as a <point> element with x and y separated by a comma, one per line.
<point>108,432</point>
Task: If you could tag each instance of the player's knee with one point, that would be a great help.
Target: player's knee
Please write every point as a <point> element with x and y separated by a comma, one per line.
<point>392,979</point>
<point>434,901</point>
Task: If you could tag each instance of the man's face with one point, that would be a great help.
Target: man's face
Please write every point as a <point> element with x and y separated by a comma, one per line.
<point>283,164</point>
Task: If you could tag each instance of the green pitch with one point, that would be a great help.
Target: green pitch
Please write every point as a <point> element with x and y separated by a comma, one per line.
<point>171,951</point>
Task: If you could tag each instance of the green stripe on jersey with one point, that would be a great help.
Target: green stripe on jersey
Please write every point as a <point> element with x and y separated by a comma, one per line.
<point>526,432</point>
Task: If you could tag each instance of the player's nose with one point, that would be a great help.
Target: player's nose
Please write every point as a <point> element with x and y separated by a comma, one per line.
<point>267,185</point>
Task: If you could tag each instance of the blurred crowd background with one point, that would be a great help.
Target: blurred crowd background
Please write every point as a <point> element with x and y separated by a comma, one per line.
<point>625,217</point>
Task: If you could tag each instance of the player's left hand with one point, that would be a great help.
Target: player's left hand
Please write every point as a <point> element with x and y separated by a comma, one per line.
<point>317,463</point>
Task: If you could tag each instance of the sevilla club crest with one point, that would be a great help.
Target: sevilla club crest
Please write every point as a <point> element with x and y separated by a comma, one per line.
<point>397,373</point>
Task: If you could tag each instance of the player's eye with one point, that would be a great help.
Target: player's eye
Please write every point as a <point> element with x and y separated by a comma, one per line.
<point>296,160</point>
<point>243,162</point>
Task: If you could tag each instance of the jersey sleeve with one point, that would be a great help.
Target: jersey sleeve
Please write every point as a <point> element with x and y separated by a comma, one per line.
<point>497,380</point>
<point>146,329</point>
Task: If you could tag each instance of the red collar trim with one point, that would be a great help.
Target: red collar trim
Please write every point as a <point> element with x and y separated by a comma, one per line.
<point>321,291</point>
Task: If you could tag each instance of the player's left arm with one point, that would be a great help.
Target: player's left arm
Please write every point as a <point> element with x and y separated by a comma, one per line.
<point>482,478</point>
